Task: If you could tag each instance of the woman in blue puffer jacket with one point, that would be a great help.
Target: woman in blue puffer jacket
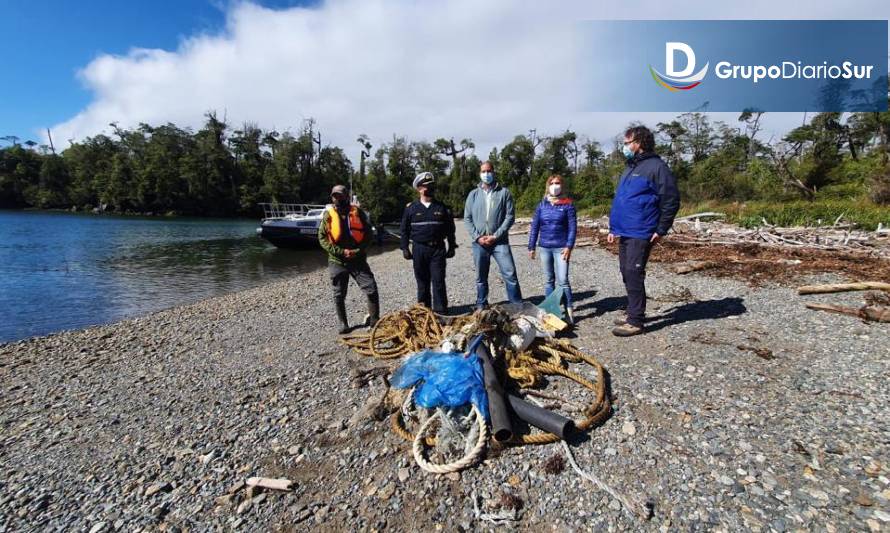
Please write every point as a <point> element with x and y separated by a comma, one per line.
<point>555,222</point>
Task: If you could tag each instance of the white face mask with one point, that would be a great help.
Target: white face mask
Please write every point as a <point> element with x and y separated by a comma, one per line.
<point>555,189</point>
<point>486,177</point>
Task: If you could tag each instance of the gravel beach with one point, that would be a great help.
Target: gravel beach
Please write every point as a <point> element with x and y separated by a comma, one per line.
<point>739,410</point>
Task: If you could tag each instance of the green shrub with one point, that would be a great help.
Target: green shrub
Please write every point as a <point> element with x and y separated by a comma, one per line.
<point>862,213</point>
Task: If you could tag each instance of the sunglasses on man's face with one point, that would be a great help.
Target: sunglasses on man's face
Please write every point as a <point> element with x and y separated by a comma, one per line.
<point>629,142</point>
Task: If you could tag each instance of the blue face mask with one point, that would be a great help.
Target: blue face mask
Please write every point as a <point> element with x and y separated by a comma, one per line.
<point>628,153</point>
<point>486,177</point>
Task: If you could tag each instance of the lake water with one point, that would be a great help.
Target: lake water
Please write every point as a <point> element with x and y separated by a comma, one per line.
<point>64,270</point>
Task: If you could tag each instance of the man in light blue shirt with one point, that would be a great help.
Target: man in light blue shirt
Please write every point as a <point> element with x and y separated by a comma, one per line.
<point>488,216</point>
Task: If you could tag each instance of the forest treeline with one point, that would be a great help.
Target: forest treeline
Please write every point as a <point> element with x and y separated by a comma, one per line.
<point>219,170</point>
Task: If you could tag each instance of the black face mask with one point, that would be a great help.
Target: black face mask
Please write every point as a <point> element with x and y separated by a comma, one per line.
<point>430,190</point>
<point>341,202</point>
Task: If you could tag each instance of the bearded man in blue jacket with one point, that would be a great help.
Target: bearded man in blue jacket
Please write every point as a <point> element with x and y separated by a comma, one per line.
<point>643,210</point>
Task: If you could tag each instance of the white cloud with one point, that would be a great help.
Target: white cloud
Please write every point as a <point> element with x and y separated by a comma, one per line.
<point>483,70</point>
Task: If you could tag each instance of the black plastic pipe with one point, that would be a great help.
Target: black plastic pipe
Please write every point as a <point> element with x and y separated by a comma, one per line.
<point>541,418</point>
<point>501,428</point>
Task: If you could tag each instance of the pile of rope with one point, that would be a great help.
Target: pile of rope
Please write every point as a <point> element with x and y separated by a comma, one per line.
<point>398,334</point>
<point>405,332</point>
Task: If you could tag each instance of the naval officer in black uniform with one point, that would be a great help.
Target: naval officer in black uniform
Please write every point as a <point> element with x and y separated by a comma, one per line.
<point>428,224</point>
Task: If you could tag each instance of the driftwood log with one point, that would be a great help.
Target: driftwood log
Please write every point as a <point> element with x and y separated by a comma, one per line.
<point>843,287</point>
<point>870,313</point>
<point>709,214</point>
<point>270,483</point>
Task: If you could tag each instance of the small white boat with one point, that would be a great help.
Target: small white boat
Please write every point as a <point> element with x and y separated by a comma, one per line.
<point>291,225</point>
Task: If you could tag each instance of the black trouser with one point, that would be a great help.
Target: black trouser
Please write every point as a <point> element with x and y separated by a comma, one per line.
<point>632,257</point>
<point>359,271</point>
<point>429,267</point>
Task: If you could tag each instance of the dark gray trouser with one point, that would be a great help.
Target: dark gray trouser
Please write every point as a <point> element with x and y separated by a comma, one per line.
<point>359,271</point>
<point>429,268</point>
<point>632,257</point>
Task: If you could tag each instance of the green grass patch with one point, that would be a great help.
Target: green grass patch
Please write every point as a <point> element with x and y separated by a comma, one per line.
<point>596,211</point>
<point>864,213</point>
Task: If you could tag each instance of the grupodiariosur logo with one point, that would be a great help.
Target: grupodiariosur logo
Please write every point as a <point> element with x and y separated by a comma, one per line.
<point>682,80</point>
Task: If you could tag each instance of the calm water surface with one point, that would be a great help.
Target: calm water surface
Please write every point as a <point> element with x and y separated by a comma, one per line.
<point>62,271</point>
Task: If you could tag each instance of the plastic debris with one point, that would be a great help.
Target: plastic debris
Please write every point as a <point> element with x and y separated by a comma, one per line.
<point>450,379</point>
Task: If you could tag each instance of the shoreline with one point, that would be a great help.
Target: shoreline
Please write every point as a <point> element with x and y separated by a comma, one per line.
<point>155,421</point>
<point>130,215</point>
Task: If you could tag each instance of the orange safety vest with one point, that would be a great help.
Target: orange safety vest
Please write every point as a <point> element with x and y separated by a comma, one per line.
<point>354,221</point>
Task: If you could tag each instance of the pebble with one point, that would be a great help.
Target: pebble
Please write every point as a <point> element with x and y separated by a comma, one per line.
<point>156,488</point>
<point>864,500</point>
<point>196,399</point>
<point>225,500</point>
<point>321,513</point>
<point>386,492</point>
<point>237,486</point>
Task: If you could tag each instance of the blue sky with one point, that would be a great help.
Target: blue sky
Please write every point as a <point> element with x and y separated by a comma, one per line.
<point>45,43</point>
<point>483,70</point>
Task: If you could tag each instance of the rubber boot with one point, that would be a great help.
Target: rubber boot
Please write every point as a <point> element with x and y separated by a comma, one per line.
<point>340,305</point>
<point>373,310</point>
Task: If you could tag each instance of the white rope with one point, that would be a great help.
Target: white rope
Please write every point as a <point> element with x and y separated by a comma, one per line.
<point>406,405</point>
<point>632,509</point>
<point>467,460</point>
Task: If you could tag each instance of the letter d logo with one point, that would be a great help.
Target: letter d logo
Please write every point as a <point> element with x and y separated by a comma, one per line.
<point>669,49</point>
<point>678,80</point>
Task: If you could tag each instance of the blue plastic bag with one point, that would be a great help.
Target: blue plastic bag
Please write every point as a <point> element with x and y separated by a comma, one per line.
<point>446,380</point>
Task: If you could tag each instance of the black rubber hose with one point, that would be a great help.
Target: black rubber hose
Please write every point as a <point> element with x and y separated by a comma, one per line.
<point>541,418</point>
<point>501,428</point>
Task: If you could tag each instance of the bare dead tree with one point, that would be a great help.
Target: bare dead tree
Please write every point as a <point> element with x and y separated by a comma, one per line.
<point>782,154</point>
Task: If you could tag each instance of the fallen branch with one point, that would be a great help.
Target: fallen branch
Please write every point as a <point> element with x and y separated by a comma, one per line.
<point>870,313</point>
<point>843,287</point>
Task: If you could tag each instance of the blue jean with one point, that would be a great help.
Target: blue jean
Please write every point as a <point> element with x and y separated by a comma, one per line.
<point>503,256</point>
<point>556,269</point>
